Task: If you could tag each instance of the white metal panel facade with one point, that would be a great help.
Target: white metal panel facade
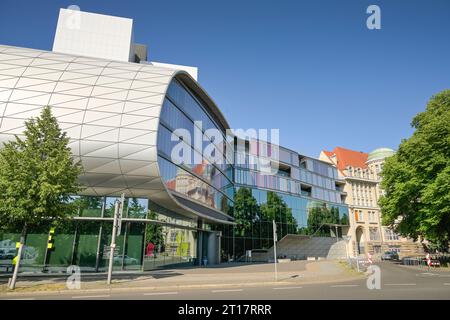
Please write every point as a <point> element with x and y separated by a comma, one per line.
<point>109,109</point>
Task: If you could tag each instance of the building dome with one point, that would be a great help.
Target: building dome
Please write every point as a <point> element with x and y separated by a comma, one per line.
<point>380,153</point>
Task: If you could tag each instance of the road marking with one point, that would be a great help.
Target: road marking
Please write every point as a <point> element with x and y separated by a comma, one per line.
<point>446,284</point>
<point>344,285</point>
<point>429,274</point>
<point>159,293</point>
<point>229,290</point>
<point>287,288</point>
<point>88,297</point>
<point>400,284</point>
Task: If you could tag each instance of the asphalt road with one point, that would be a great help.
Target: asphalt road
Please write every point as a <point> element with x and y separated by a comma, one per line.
<point>397,282</point>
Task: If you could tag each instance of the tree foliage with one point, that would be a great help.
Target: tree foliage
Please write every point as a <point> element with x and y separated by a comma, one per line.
<point>135,209</point>
<point>276,209</point>
<point>37,175</point>
<point>154,232</point>
<point>246,211</point>
<point>320,215</point>
<point>416,180</point>
<point>252,218</point>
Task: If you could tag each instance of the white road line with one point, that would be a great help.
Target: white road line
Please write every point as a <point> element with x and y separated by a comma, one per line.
<point>344,286</point>
<point>287,288</point>
<point>400,284</point>
<point>159,293</point>
<point>446,284</point>
<point>229,290</point>
<point>89,297</point>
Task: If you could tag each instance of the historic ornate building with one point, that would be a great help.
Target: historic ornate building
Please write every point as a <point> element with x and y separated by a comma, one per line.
<point>361,172</point>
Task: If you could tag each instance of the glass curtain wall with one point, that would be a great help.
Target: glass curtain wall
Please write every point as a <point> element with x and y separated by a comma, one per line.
<point>291,217</point>
<point>85,243</point>
<point>300,197</point>
<point>208,181</point>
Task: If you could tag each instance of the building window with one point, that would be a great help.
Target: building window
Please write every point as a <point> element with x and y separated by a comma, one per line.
<point>390,235</point>
<point>374,235</point>
<point>372,216</point>
<point>359,216</point>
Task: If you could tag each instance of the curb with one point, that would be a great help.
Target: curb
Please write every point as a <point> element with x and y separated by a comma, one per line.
<point>172,287</point>
<point>193,286</point>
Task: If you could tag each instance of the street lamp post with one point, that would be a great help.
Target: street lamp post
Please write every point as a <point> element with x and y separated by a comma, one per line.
<point>117,224</point>
<point>275,239</point>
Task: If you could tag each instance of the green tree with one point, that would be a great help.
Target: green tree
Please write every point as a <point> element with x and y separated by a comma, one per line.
<point>154,232</point>
<point>276,209</point>
<point>38,175</point>
<point>320,215</point>
<point>335,215</point>
<point>416,180</point>
<point>135,209</point>
<point>89,205</point>
<point>246,211</point>
<point>344,220</point>
<point>316,217</point>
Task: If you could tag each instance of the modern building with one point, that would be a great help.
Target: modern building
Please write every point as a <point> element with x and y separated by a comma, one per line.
<point>305,186</point>
<point>361,173</point>
<point>119,112</point>
<point>122,112</point>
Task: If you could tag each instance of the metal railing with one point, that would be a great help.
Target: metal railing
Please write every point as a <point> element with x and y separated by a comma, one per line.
<point>414,261</point>
<point>360,264</point>
<point>444,260</point>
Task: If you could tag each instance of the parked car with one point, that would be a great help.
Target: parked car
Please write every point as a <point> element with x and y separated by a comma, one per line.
<point>390,255</point>
<point>435,263</point>
<point>7,254</point>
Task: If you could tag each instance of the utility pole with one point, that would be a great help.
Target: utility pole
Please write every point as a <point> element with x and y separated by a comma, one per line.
<point>12,283</point>
<point>116,225</point>
<point>119,220</point>
<point>18,258</point>
<point>275,239</point>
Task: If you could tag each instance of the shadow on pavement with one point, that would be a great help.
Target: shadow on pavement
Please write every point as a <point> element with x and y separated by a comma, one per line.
<point>56,278</point>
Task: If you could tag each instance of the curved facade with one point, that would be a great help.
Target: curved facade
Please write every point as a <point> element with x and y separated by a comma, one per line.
<point>116,115</point>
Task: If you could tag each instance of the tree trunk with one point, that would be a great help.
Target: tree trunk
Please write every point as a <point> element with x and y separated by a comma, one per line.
<point>12,285</point>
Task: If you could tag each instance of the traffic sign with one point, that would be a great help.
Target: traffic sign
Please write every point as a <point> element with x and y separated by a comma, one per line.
<point>275,237</point>
<point>428,257</point>
<point>107,251</point>
<point>369,257</point>
<point>120,214</point>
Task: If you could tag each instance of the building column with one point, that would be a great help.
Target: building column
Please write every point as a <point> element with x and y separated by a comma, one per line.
<point>199,242</point>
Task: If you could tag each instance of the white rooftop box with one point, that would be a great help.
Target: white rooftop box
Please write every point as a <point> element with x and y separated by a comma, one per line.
<point>94,35</point>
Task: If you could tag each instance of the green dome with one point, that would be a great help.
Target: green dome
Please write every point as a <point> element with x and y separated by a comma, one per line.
<point>380,153</point>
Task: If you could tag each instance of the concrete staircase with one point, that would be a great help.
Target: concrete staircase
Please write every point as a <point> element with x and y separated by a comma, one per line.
<point>299,247</point>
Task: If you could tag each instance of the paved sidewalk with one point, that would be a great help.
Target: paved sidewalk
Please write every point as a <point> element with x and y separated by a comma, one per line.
<point>295,272</point>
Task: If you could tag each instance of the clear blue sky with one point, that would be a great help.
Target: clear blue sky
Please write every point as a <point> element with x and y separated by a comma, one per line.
<point>310,68</point>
